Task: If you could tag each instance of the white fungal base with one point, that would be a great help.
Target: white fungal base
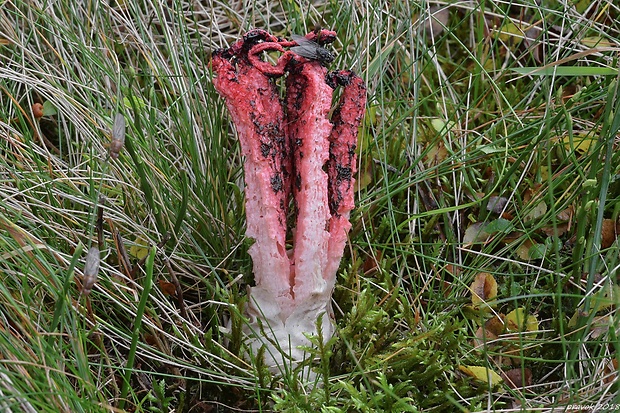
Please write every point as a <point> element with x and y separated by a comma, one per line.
<point>285,338</point>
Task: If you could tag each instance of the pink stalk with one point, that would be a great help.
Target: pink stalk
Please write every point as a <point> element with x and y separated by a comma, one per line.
<point>293,151</point>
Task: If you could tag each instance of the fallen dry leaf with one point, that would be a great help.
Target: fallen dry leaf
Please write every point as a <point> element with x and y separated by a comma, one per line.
<point>435,154</point>
<point>536,206</point>
<point>371,262</point>
<point>496,204</point>
<point>566,214</point>
<point>475,233</point>
<point>453,270</point>
<point>483,337</point>
<point>91,270</point>
<point>556,231</point>
<point>512,237</point>
<point>565,221</point>
<point>523,251</point>
<point>581,143</point>
<point>495,325</point>
<point>483,289</point>
<point>609,232</point>
<point>517,378</point>
<point>167,288</point>
<point>531,250</point>
<point>481,232</point>
<point>539,209</point>
<point>600,326</point>
<point>150,339</point>
<point>491,330</point>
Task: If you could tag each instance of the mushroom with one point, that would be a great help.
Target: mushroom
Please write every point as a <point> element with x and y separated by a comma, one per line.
<point>296,158</point>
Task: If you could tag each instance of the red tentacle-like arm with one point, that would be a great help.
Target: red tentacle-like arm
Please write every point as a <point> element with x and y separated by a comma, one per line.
<point>341,166</point>
<point>308,102</point>
<point>254,104</point>
<point>294,156</point>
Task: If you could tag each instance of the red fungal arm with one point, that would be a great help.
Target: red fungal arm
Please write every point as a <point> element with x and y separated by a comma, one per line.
<point>308,101</point>
<point>265,67</point>
<point>254,104</point>
<point>324,36</point>
<point>341,166</point>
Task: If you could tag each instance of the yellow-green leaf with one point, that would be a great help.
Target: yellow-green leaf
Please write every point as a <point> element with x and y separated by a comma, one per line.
<point>536,212</point>
<point>441,126</point>
<point>49,109</point>
<point>596,41</point>
<point>509,31</point>
<point>139,249</point>
<point>482,373</point>
<point>130,102</point>
<point>364,175</point>
<point>603,299</point>
<point>580,143</point>
<point>476,233</point>
<point>517,320</point>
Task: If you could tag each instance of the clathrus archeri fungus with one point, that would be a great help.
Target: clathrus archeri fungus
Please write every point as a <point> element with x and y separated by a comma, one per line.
<point>293,152</point>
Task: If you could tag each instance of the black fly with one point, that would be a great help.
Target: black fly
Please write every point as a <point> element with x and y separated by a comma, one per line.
<point>312,50</point>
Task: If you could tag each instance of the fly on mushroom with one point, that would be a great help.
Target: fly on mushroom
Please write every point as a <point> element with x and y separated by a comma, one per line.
<point>311,50</point>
